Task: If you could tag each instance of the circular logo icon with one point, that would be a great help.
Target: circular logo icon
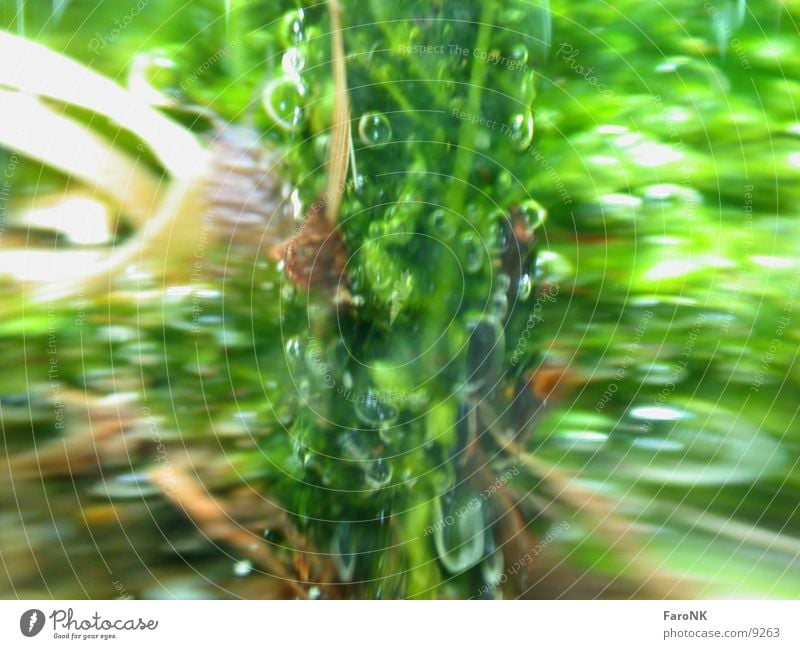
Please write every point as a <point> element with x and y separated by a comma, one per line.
<point>31,622</point>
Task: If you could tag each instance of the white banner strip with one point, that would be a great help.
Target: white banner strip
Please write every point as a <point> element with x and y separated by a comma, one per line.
<point>399,624</point>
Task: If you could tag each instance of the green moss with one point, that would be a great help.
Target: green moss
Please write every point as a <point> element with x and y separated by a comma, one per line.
<point>667,172</point>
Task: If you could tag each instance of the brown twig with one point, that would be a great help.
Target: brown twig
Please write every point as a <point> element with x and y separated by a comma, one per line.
<point>94,438</point>
<point>212,518</point>
<point>605,514</point>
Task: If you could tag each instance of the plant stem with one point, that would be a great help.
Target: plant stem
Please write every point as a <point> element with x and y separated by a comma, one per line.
<point>466,135</point>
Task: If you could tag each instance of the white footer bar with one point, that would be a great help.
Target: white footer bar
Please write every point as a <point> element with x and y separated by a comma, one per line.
<point>389,625</point>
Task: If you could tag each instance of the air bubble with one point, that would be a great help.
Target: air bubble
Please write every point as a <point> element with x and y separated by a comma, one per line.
<point>443,226</point>
<point>492,565</point>
<point>242,568</point>
<point>531,215</point>
<point>293,62</point>
<point>484,353</point>
<point>499,303</point>
<point>472,252</point>
<point>499,233</point>
<point>374,411</point>
<point>374,129</point>
<point>503,282</point>
<point>524,286</point>
<point>552,267</point>
<point>294,352</point>
<point>520,54</point>
<point>293,28</point>
<point>283,102</point>
<point>459,532</point>
<point>342,552</point>
<point>378,473</point>
<point>522,130</point>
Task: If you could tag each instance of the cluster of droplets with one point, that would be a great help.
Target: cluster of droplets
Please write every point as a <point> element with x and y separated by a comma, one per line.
<point>285,95</point>
<point>397,235</point>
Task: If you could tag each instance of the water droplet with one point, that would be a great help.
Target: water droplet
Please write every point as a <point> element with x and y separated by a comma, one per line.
<point>482,141</point>
<point>295,352</point>
<point>484,353</point>
<point>552,267</point>
<point>522,130</point>
<point>283,102</point>
<point>374,129</point>
<point>459,530</point>
<point>503,282</point>
<point>499,304</point>
<point>341,550</point>
<point>529,217</point>
<point>378,473</point>
<point>524,286</point>
<point>373,410</point>
<point>356,445</point>
<point>492,565</point>
<point>293,62</point>
<point>443,225</point>
<point>397,228</point>
<point>472,252</point>
<point>527,88</point>
<point>520,54</point>
<point>293,28</point>
<point>242,568</point>
<point>321,144</point>
<point>499,233</point>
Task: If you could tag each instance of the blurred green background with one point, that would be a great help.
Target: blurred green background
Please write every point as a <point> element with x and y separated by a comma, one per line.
<point>573,273</point>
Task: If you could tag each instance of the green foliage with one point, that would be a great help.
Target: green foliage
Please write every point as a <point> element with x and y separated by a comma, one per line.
<point>663,154</point>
